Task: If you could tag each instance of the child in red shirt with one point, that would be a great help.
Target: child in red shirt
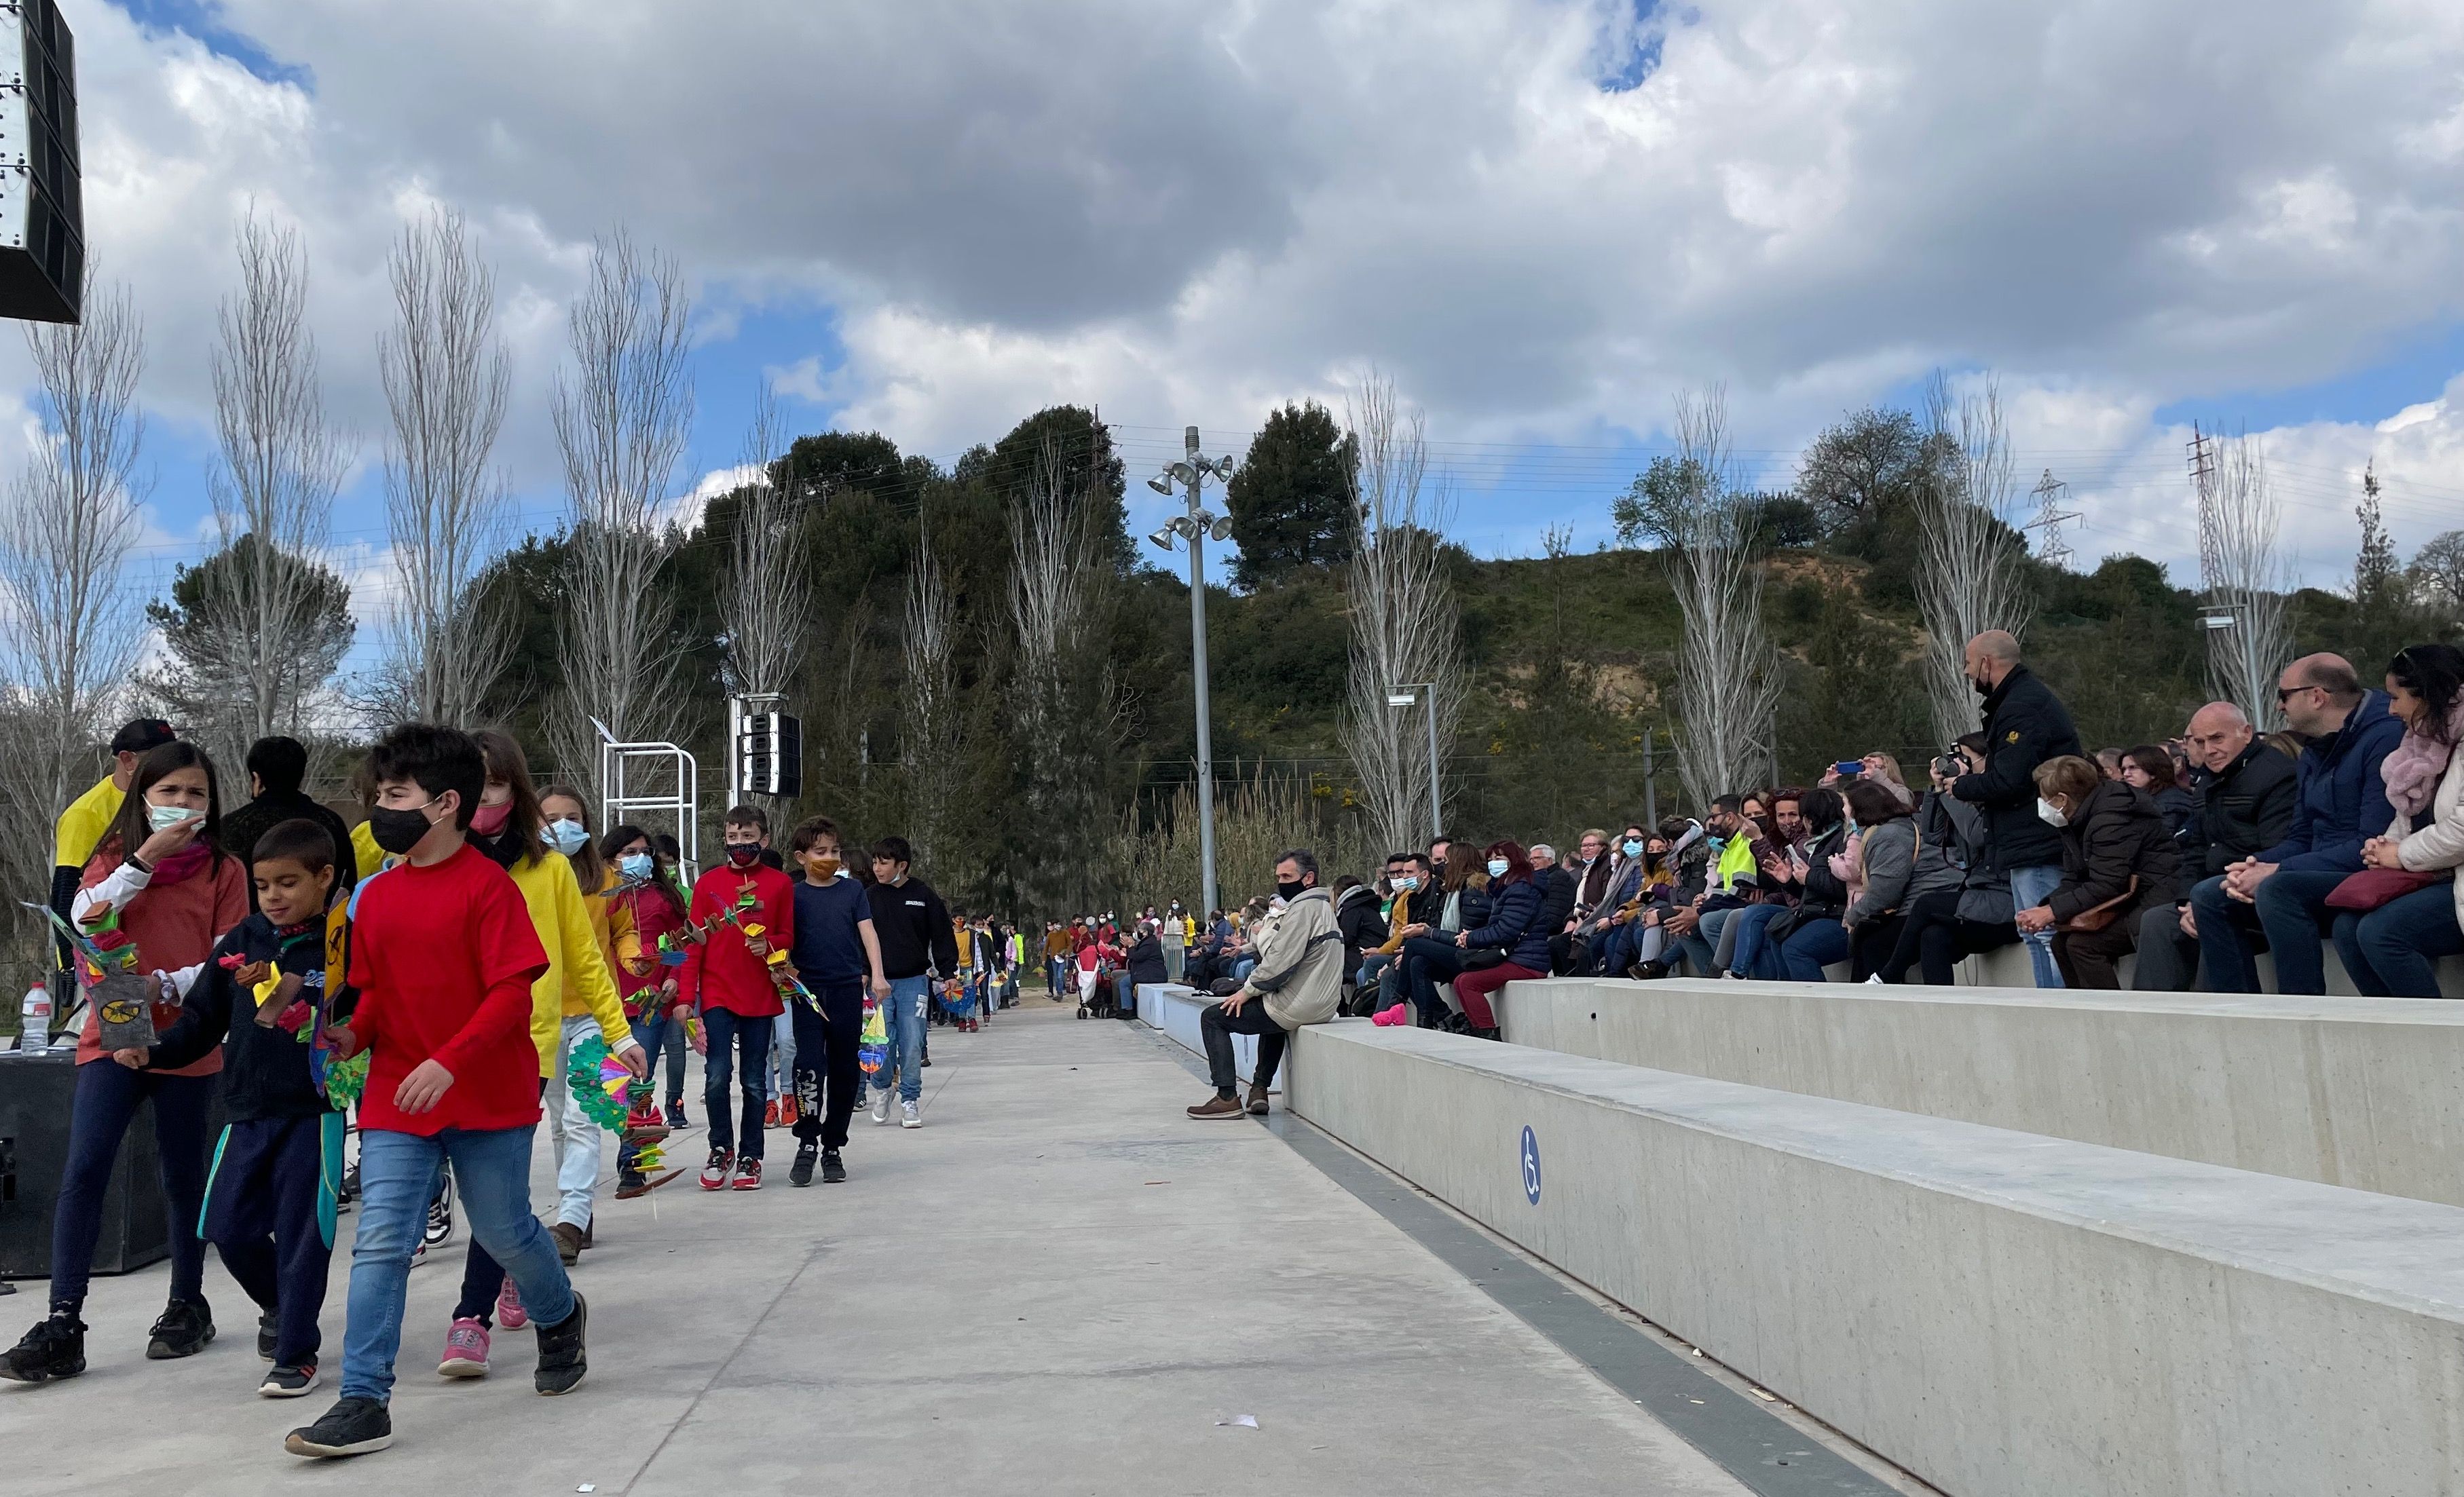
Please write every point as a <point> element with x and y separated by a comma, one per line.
<point>727,975</point>
<point>442,954</point>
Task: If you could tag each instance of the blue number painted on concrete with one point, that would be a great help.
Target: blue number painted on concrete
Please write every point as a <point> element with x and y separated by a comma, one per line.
<point>1530,1166</point>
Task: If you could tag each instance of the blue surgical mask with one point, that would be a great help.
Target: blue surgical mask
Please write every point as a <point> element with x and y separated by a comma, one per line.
<point>163,818</point>
<point>635,865</point>
<point>1633,848</point>
<point>565,835</point>
<point>1497,868</point>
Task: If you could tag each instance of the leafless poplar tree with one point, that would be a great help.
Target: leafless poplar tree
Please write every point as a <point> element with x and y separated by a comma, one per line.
<point>282,465</point>
<point>622,416</point>
<point>768,592</point>
<point>1404,615</point>
<point>1727,686</point>
<point>2244,574</point>
<point>1063,695</point>
<point>930,750</point>
<point>1972,573</point>
<point>71,623</point>
<point>446,377</point>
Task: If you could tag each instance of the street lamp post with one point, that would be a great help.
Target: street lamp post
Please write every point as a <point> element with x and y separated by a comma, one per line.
<point>1406,694</point>
<point>1196,527</point>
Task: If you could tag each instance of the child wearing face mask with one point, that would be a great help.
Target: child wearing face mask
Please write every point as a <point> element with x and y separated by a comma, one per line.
<point>646,898</point>
<point>726,979</point>
<point>573,998</point>
<point>159,881</point>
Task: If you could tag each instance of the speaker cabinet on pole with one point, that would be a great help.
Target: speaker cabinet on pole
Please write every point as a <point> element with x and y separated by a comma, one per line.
<point>42,210</point>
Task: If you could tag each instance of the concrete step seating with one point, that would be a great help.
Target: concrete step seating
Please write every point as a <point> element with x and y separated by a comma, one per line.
<point>2365,1092</point>
<point>1999,1311</point>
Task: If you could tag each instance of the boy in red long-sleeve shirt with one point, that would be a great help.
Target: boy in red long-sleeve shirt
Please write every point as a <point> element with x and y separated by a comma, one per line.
<point>442,954</point>
<point>727,977</point>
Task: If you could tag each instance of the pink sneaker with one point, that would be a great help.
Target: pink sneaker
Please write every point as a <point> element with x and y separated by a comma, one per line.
<point>1388,1017</point>
<point>466,1349</point>
<point>510,1313</point>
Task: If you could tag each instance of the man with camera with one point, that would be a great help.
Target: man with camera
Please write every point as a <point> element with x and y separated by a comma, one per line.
<point>2025,725</point>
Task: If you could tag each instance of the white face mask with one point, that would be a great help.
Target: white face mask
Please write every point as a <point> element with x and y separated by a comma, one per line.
<point>1497,868</point>
<point>2053,815</point>
<point>565,835</point>
<point>163,818</point>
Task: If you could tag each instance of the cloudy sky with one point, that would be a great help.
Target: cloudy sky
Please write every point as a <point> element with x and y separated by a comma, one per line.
<point>1540,217</point>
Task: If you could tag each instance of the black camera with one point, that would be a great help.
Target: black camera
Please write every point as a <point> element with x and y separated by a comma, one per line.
<point>1951,764</point>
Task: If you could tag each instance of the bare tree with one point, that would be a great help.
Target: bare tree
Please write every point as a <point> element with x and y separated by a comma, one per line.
<point>1728,688</point>
<point>2245,576</point>
<point>930,750</point>
<point>1405,614</point>
<point>1064,705</point>
<point>765,600</point>
<point>69,623</point>
<point>1972,573</point>
<point>446,379</point>
<point>281,468</point>
<point>622,416</point>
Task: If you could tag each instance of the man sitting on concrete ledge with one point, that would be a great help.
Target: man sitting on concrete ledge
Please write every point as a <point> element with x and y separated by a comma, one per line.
<point>1296,982</point>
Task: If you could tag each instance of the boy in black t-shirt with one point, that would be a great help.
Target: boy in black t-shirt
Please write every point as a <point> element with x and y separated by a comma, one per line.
<point>835,952</point>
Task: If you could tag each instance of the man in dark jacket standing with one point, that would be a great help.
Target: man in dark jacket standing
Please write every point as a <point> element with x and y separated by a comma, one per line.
<point>2245,791</point>
<point>276,768</point>
<point>2340,803</point>
<point>2025,725</point>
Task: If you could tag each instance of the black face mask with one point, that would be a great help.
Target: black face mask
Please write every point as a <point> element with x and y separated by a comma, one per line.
<point>398,832</point>
<point>1293,890</point>
<point>1983,687</point>
<point>743,854</point>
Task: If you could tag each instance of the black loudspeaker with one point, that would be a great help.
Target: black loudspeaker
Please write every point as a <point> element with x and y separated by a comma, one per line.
<point>42,206</point>
<point>36,1093</point>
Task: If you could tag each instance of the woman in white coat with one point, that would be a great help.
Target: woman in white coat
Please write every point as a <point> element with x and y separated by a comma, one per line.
<point>2394,951</point>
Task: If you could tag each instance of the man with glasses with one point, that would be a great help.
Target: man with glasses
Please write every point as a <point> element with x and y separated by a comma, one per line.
<point>2339,801</point>
<point>2245,789</point>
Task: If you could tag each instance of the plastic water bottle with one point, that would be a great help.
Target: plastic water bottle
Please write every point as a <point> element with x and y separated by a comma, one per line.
<point>34,1018</point>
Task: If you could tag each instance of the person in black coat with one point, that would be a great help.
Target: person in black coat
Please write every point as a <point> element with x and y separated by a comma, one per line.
<point>1145,959</point>
<point>1357,918</point>
<point>2118,861</point>
<point>276,768</point>
<point>1557,888</point>
<point>2246,791</point>
<point>2025,725</point>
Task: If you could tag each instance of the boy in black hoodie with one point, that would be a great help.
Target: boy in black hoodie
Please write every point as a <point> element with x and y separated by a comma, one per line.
<point>270,1202</point>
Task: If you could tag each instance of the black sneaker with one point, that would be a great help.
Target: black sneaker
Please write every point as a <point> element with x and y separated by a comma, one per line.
<point>185,1327</point>
<point>562,1362</point>
<point>833,1172</point>
<point>801,1172</point>
<point>266,1327</point>
<point>675,1115</point>
<point>351,1427</point>
<point>350,1186</point>
<point>292,1381</point>
<point>55,1348</point>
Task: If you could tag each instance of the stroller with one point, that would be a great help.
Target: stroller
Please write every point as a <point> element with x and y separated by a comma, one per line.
<point>1095,988</point>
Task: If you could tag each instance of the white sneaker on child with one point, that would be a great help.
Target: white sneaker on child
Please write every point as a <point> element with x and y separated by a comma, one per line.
<point>907,1117</point>
<point>881,1107</point>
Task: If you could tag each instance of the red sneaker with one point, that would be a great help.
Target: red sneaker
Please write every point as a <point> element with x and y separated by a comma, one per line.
<point>770,1113</point>
<point>510,1313</point>
<point>788,1111</point>
<point>714,1174</point>
<point>748,1174</point>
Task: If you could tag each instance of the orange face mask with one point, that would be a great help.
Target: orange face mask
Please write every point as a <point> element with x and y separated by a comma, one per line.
<point>823,868</point>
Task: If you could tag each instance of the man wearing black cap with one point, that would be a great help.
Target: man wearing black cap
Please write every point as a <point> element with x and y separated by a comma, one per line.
<point>90,815</point>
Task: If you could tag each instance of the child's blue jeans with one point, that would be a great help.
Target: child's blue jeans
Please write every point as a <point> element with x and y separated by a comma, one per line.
<point>399,1174</point>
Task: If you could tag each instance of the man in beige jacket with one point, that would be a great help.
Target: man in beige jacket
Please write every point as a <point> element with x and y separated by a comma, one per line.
<point>1297,981</point>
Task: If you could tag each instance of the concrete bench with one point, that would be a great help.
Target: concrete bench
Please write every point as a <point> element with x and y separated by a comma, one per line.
<point>2361,1091</point>
<point>1174,1007</point>
<point>2004,1314</point>
<point>2008,966</point>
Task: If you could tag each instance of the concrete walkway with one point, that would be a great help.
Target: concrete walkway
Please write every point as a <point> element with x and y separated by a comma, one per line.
<point>1059,1285</point>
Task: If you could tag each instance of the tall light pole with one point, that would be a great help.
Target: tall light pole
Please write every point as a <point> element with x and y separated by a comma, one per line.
<point>1408,693</point>
<point>1195,527</point>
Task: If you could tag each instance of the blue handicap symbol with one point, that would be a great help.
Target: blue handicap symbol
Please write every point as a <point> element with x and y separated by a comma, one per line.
<point>1530,1166</point>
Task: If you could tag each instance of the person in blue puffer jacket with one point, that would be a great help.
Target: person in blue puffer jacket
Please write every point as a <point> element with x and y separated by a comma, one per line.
<point>1517,925</point>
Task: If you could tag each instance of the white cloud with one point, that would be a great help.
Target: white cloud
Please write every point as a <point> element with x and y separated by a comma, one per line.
<point>1185,211</point>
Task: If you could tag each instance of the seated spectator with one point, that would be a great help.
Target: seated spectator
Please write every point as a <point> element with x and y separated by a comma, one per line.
<point>1591,871</point>
<point>1608,934</point>
<point>2245,805</point>
<point>2108,764</point>
<point>1145,957</point>
<point>2339,801</point>
<point>1965,906</point>
<point>1361,924</point>
<point>1518,926</point>
<point>1416,888</point>
<point>1738,850</point>
<point>1887,836</point>
<point>1432,956</point>
<point>1804,939</point>
<point>2118,862</point>
<point>1885,768</point>
<point>1292,981</point>
<point>1557,888</point>
<point>2149,767</point>
<point>2393,951</point>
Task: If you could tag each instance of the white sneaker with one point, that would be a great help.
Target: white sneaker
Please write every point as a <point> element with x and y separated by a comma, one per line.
<point>881,1107</point>
<point>1876,980</point>
<point>907,1117</point>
